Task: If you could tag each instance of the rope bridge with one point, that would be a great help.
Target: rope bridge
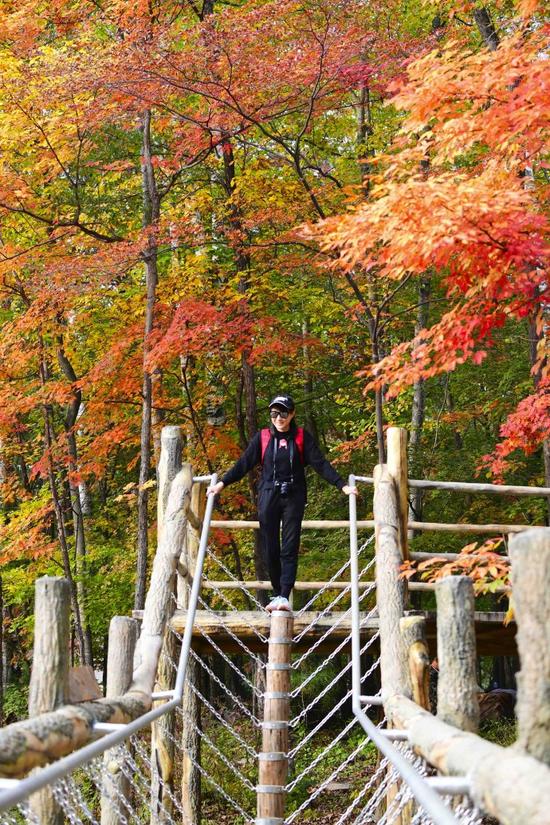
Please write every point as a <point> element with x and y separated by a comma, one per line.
<point>263,719</point>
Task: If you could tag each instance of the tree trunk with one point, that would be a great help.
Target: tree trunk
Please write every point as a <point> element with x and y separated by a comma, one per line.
<point>151,212</point>
<point>58,512</point>
<point>418,407</point>
<point>309,417</point>
<point>486,28</point>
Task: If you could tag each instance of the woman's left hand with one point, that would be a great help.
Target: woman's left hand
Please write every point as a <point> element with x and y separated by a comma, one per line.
<point>350,491</point>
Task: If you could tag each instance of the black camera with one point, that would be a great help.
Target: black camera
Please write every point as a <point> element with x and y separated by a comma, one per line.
<point>284,488</point>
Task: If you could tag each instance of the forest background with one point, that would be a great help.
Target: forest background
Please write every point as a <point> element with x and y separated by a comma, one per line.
<point>203,203</point>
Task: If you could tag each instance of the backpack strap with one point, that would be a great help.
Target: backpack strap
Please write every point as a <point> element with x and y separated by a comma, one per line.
<point>300,442</point>
<point>265,435</point>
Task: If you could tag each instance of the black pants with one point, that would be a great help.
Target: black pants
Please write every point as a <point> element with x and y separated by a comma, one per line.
<point>281,546</point>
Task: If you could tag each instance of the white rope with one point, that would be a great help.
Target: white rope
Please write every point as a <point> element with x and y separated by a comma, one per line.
<point>218,681</point>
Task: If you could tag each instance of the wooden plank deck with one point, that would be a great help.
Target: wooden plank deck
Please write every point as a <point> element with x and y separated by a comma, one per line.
<point>493,637</point>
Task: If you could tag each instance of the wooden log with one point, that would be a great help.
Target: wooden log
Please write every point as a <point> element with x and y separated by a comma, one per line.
<point>159,604</point>
<point>390,589</point>
<point>163,730</point>
<point>273,761</point>
<point>266,585</point>
<point>457,688</point>
<point>413,633</point>
<point>513,788</point>
<point>398,469</point>
<point>123,633</point>
<point>49,684</point>
<point>191,708</point>
<point>391,597</point>
<point>530,556</point>
<point>425,526</point>
<point>25,745</point>
<point>474,487</point>
<point>428,587</point>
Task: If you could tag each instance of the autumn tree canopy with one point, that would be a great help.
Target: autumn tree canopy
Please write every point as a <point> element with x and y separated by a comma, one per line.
<point>202,202</point>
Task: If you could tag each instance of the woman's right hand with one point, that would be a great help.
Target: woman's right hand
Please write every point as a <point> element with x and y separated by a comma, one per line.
<point>217,488</point>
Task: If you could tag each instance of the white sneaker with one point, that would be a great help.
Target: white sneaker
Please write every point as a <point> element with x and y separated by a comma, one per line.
<point>278,603</point>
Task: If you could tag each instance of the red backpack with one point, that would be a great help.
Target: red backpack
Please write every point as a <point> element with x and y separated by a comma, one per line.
<point>298,440</point>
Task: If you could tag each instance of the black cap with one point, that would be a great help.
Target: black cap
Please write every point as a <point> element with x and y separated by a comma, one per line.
<point>284,401</point>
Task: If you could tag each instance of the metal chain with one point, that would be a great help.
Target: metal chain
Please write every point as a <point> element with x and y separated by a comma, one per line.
<point>331,684</point>
<point>326,586</point>
<point>245,590</point>
<point>226,690</point>
<point>338,598</point>
<point>326,782</point>
<point>212,781</point>
<point>296,664</point>
<point>229,633</point>
<point>244,779</point>
<point>220,719</point>
<point>364,790</point>
<point>321,755</point>
<point>154,772</point>
<point>335,577</point>
<point>331,713</point>
<point>259,635</point>
<point>227,660</point>
<point>133,773</point>
<point>103,781</point>
<point>369,812</point>
<point>329,658</point>
<point>69,797</point>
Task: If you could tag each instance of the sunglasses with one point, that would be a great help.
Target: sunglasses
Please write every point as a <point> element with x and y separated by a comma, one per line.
<point>279,414</point>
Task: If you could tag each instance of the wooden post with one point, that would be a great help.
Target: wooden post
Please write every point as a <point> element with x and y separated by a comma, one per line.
<point>413,633</point>
<point>273,767</point>
<point>398,469</point>
<point>123,633</point>
<point>390,600</point>
<point>191,709</point>
<point>49,686</point>
<point>162,731</point>
<point>530,557</point>
<point>457,688</point>
<point>390,589</point>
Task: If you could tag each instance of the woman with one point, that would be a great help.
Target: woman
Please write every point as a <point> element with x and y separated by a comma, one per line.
<point>283,450</point>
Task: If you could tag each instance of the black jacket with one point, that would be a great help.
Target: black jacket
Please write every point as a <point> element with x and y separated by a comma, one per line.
<point>313,457</point>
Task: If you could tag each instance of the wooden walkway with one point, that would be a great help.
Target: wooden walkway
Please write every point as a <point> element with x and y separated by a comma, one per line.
<point>493,637</point>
